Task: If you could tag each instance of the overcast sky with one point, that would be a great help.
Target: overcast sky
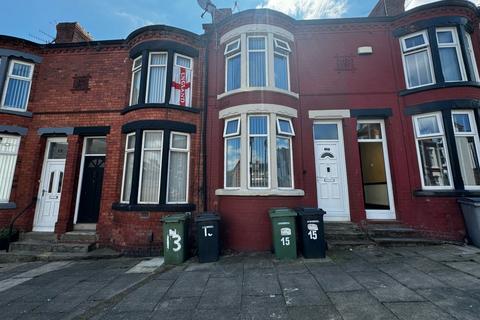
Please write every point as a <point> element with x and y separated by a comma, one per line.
<point>35,20</point>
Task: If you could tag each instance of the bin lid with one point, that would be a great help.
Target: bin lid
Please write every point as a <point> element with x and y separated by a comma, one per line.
<point>175,217</point>
<point>470,201</point>
<point>281,212</point>
<point>302,211</point>
<point>207,216</point>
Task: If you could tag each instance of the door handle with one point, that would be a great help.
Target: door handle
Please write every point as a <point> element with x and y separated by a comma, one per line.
<point>43,192</point>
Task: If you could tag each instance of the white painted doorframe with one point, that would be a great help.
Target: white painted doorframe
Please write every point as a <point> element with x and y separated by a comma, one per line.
<point>342,168</point>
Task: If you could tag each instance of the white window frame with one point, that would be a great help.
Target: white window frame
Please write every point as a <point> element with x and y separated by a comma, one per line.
<point>150,65</point>
<point>15,155</point>
<point>408,51</point>
<point>10,76</point>
<point>471,52</point>
<point>134,70</point>
<point>269,160</point>
<point>455,44</point>
<point>236,133</point>
<point>440,134</point>
<point>126,151</point>
<point>280,132</point>
<point>175,56</point>
<point>282,45</point>
<point>235,49</point>
<point>140,178</point>
<point>187,151</point>
<point>287,56</point>
<point>265,52</point>
<point>473,133</point>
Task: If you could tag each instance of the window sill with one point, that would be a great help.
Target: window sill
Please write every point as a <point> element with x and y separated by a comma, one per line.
<point>440,86</point>
<point>260,193</point>
<point>26,114</point>
<point>7,205</point>
<point>252,89</point>
<point>159,106</point>
<point>446,193</point>
<point>154,207</point>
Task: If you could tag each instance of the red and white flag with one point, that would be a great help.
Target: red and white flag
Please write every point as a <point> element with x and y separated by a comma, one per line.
<point>181,87</point>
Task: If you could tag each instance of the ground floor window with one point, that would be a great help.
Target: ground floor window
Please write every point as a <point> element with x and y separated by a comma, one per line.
<point>8,159</point>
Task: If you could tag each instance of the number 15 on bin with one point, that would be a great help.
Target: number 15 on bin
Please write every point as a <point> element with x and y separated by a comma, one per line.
<point>285,233</point>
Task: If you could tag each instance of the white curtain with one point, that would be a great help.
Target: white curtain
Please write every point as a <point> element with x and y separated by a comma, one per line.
<point>418,69</point>
<point>156,85</point>
<point>135,86</point>
<point>177,177</point>
<point>127,184</point>
<point>450,66</point>
<point>151,166</point>
<point>8,160</point>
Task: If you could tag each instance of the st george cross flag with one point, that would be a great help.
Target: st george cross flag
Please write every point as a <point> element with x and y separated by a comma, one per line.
<point>181,87</point>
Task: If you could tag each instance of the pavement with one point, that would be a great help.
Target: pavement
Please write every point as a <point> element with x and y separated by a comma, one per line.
<point>434,282</point>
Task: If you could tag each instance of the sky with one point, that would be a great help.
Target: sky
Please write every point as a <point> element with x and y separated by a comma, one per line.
<point>35,20</point>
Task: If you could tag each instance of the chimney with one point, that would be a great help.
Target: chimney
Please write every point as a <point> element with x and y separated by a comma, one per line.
<point>221,14</point>
<point>388,8</point>
<point>70,32</point>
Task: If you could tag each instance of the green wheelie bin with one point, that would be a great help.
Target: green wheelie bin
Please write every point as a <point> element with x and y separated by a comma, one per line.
<point>175,238</point>
<point>284,232</point>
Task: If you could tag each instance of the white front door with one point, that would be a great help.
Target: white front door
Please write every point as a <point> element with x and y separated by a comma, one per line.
<point>332,192</point>
<point>50,189</point>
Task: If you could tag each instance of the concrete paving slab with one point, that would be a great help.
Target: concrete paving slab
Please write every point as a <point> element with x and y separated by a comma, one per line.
<point>145,298</point>
<point>147,266</point>
<point>302,290</point>
<point>333,279</point>
<point>222,293</point>
<point>175,304</point>
<point>264,307</point>
<point>314,312</point>
<point>217,314</point>
<point>417,311</point>
<point>410,277</point>
<point>470,267</point>
<point>359,305</point>
<point>189,284</point>
<point>259,282</point>
<point>457,303</point>
<point>120,284</point>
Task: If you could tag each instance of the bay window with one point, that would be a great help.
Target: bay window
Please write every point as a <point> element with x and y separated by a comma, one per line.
<point>8,159</point>
<point>178,170</point>
<point>467,142</point>
<point>450,55</point>
<point>157,77</point>
<point>232,153</point>
<point>417,60</point>
<point>432,152</point>
<point>17,86</point>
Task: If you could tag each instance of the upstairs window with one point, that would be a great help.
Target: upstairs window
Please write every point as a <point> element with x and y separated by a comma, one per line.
<point>257,62</point>
<point>157,77</point>
<point>182,81</point>
<point>17,86</point>
<point>417,60</point>
<point>450,55</point>
<point>232,65</point>
<point>281,64</point>
<point>471,53</point>
<point>136,76</point>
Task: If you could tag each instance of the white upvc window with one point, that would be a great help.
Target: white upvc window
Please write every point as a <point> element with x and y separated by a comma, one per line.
<point>432,152</point>
<point>451,58</point>
<point>417,60</point>
<point>258,152</point>
<point>471,53</point>
<point>8,159</point>
<point>231,133</point>
<point>178,168</point>
<point>257,61</point>
<point>233,63</point>
<point>17,86</point>
<point>128,167</point>
<point>285,133</point>
<point>136,80</point>
<point>182,78</point>
<point>281,64</point>
<point>150,167</point>
<point>157,77</point>
<point>467,142</point>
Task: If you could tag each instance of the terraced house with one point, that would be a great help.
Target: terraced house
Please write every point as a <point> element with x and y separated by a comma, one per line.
<point>372,119</point>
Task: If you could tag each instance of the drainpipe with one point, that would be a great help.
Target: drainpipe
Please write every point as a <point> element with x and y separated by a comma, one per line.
<point>204,133</point>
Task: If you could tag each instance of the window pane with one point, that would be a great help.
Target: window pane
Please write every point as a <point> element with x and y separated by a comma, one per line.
<point>150,184</point>
<point>284,163</point>
<point>137,63</point>
<point>8,159</point>
<point>281,72</point>
<point>95,146</point>
<point>181,86</point>
<point>325,131</point>
<point>21,70</point>
<point>58,150</point>
<point>418,69</point>
<point>445,37</point>
<point>259,162</point>
<point>434,162</point>
<point>232,170</point>
<point>177,177</point>
<point>233,73</point>
<point>461,122</point>
<point>232,126</point>
<point>131,141</point>
<point>127,186</point>
<point>158,58</point>
<point>256,43</point>
<point>183,62</point>
<point>414,41</point>
<point>235,45</point>
<point>369,131</point>
<point>428,125</point>
<point>135,86</point>
<point>179,141</point>
<point>468,157</point>
<point>257,69</point>
<point>156,87</point>
<point>450,65</point>
<point>374,177</point>
<point>285,126</point>
<point>153,140</point>
<point>258,125</point>
<point>17,92</point>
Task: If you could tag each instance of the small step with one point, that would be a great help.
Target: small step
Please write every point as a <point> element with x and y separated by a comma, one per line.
<point>393,232</point>
<point>401,242</point>
<point>42,246</point>
<point>79,236</point>
<point>28,256</point>
<point>346,235</point>
<point>38,236</point>
<point>349,243</point>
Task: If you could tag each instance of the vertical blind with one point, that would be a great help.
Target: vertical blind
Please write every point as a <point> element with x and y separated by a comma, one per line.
<point>18,85</point>
<point>178,171</point>
<point>157,78</point>
<point>233,72</point>
<point>151,166</point>
<point>258,136</point>
<point>281,71</point>
<point>257,69</point>
<point>8,159</point>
